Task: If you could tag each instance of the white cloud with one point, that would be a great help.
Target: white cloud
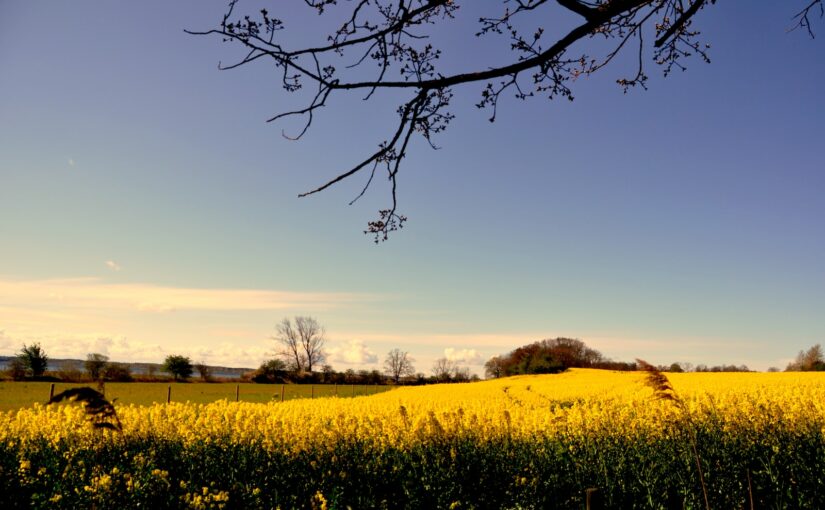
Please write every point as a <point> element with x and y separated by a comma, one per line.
<point>114,266</point>
<point>464,356</point>
<point>93,294</point>
<point>126,350</point>
<point>231,354</point>
<point>6,343</point>
<point>352,352</point>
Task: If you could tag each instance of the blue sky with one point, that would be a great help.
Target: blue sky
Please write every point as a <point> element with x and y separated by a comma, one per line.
<point>146,208</point>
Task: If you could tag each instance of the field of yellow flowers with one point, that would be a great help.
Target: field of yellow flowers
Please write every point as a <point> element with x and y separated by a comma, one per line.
<point>520,442</point>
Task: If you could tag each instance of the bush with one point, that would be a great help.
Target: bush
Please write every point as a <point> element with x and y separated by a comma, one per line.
<point>117,372</point>
<point>270,371</point>
<point>34,360</point>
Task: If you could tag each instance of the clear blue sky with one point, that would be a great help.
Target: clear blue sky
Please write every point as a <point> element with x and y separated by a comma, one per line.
<point>146,208</point>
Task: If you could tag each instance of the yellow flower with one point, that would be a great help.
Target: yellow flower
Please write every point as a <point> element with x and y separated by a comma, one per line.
<point>319,502</point>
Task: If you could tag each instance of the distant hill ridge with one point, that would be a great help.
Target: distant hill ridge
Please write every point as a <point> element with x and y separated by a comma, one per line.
<point>136,368</point>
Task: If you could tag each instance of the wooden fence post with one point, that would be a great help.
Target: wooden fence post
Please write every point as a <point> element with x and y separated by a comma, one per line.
<point>353,390</point>
<point>168,393</point>
<point>237,392</point>
<point>593,499</point>
<point>312,391</point>
<point>51,392</point>
<point>282,393</point>
<point>336,389</point>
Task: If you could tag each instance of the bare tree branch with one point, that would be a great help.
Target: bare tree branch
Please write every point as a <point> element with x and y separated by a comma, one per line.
<point>802,17</point>
<point>392,34</point>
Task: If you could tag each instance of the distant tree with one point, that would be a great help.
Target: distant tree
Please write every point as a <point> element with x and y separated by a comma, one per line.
<point>95,363</point>
<point>17,369</point>
<point>772,369</point>
<point>204,371</point>
<point>686,366</point>
<point>675,367</point>
<point>494,368</point>
<point>809,360</point>
<point>398,364</point>
<point>179,366</point>
<point>328,373</point>
<point>375,377</point>
<point>443,369</point>
<point>117,372</point>
<point>34,359</point>
<point>301,343</point>
<point>722,368</point>
<point>461,374</point>
<point>550,356</point>
<point>271,371</point>
<point>350,377</point>
<point>67,371</point>
<point>273,365</point>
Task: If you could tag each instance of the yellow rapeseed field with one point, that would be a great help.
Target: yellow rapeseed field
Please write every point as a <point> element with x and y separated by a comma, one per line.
<point>579,402</point>
<point>728,440</point>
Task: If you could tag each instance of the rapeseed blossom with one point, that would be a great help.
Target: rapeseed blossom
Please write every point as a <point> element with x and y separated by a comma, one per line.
<point>580,402</point>
<point>535,441</point>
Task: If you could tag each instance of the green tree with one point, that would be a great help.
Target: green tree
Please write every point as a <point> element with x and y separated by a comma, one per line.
<point>271,371</point>
<point>95,364</point>
<point>179,366</point>
<point>34,359</point>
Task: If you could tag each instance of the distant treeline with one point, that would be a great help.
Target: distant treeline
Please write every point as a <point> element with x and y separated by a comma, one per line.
<point>551,356</point>
<point>275,371</point>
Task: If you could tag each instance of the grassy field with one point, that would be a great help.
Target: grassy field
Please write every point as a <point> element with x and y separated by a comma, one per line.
<point>16,395</point>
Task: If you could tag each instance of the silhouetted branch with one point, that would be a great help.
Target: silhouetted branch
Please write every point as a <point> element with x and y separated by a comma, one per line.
<point>802,17</point>
<point>391,34</point>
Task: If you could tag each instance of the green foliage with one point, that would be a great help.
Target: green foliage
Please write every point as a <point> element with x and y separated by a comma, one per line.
<point>544,357</point>
<point>33,359</point>
<point>117,372</point>
<point>784,467</point>
<point>271,371</point>
<point>179,366</point>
